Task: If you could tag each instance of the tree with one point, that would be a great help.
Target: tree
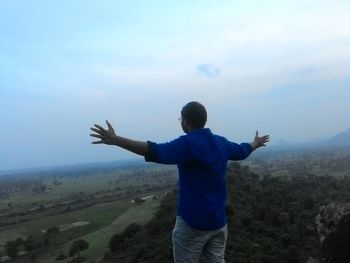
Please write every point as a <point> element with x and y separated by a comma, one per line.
<point>118,239</point>
<point>29,246</point>
<point>78,246</point>
<point>34,257</point>
<point>52,232</point>
<point>11,248</point>
<point>336,246</point>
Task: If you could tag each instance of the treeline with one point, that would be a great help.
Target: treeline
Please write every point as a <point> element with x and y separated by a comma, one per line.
<point>33,246</point>
<point>15,185</point>
<point>39,182</point>
<point>270,219</point>
<point>74,170</point>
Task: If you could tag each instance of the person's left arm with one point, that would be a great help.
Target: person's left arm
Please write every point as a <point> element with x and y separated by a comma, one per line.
<point>259,141</point>
<point>242,151</point>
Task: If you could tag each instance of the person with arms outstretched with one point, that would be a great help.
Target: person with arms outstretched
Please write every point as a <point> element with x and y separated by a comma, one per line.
<point>201,158</point>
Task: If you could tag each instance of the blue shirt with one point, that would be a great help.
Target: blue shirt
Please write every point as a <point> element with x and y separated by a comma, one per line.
<point>201,158</point>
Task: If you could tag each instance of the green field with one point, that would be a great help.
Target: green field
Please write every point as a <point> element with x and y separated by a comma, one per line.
<point>98,215</point>
<point>70,185</point>
<point>88,184</point>
<point>102,217</point>
<point>98,239</point>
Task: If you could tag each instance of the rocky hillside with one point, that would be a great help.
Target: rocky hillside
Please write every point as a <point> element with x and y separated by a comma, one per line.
<point>333,227</point>
<point>271,219</point>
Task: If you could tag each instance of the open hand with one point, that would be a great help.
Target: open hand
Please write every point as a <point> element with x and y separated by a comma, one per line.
<point>106,136</point>
<point>260,141</point>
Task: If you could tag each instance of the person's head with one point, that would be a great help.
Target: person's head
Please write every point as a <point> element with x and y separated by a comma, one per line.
<point>193,116</point>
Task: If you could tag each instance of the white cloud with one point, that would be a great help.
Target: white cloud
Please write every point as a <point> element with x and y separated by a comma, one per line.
<point>208,70</point>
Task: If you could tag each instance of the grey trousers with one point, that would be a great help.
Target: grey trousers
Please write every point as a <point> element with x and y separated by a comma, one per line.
<point>189,244</point>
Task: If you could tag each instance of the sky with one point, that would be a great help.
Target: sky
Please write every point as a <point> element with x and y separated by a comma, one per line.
<point>279,67</point>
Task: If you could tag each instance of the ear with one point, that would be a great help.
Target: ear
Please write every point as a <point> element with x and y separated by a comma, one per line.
<point>187,125</point>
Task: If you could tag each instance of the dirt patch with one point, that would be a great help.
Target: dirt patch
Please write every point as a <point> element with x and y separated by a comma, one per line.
<point>73,225</point>
<point>66,227</point>
<point>123,219</point>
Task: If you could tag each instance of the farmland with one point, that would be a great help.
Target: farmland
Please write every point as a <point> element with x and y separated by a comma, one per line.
<point>90,206</point>
<point>44,211</point>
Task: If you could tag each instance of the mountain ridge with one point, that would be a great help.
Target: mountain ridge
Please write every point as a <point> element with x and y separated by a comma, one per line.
<point>341,139</point>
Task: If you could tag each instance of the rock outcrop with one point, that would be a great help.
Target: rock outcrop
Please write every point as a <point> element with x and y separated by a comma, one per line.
<point>333,226</point>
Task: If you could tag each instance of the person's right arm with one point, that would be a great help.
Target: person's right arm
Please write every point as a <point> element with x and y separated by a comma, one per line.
<point>109,137</point>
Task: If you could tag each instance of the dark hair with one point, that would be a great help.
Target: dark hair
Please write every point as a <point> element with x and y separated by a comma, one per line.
<point>195,114</point>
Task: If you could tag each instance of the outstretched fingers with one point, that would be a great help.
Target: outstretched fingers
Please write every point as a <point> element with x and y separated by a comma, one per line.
<point>100,127</point>
<point>265,139</point>
<point>110,127</point>
<point>96,135</point>
<point>106,136</point>
<point>97,142</point>
<point>99,133</point>
<point>261,140</point>
<point>95,130</point>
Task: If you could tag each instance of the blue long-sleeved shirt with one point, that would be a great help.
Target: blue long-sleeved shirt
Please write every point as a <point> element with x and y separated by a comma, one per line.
<point>201,158</point>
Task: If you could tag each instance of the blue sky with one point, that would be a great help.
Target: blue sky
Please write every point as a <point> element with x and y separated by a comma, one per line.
<point>281,67</point>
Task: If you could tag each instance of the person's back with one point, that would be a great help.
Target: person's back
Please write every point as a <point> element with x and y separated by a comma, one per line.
<point>202,181</point>
<point>201,158</point>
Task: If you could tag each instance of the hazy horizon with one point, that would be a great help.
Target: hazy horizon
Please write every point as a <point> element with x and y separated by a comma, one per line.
<point>278,67</point>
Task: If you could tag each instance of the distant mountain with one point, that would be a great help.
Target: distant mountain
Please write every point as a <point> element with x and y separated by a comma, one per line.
<point>340,139</point>
<point>282,144</point>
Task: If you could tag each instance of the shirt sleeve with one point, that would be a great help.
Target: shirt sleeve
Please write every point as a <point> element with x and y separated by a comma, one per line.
<point>238,151</point>
<point>166,153</point>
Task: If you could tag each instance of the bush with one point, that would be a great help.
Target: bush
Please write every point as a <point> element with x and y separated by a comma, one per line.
<point>61,257</point>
